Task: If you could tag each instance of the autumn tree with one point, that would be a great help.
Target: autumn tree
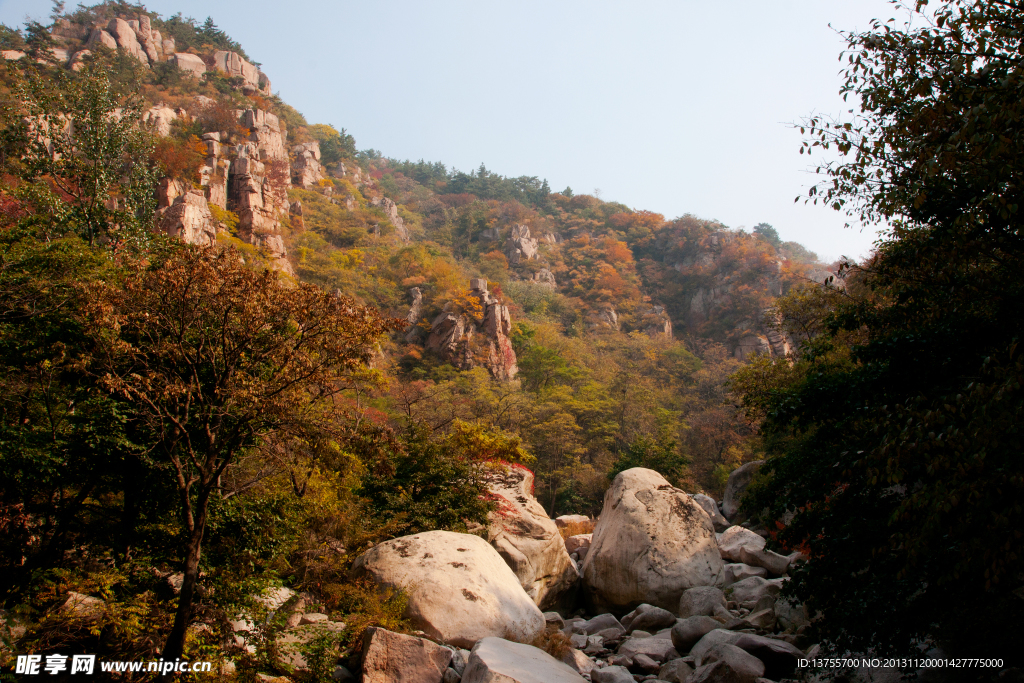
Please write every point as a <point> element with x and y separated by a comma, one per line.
<point>217,361</point>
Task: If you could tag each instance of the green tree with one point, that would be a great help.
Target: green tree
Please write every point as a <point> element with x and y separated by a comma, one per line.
<point>902,461</point>
<point>85,155</point>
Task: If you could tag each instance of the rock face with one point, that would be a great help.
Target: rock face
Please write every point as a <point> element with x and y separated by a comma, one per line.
<point>395,658</point>
<point>469,340</point>
<point>101,37</point>
<point>160,118</point>
<point>708,505</point>
<point>459,588</point>
<point>126,39</point>
<point>545,278</point>
<point>189,218</point>
<point>306,168</point>
<point>391,211</point>
<point>521,247</point>
<point>232,65</point>
<point>736,487</point>
<point>527,539</point>
<point>495,660</point>
<point>189,63</point>
<point>657,323</point>
<point>651,543</point>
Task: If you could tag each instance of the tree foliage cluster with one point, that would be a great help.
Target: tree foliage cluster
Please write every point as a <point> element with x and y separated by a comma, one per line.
<point>895,437</point>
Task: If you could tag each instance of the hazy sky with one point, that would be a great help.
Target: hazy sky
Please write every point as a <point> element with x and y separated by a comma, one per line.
<point>675,106</point>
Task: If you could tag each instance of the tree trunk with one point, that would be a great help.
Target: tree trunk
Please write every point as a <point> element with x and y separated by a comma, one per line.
<point>176,640</point>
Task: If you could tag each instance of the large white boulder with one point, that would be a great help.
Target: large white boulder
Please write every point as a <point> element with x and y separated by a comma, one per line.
<point>494,660</point>
<point>736,538</point>
<point>651,543</point>
<point>459,589</point>
<point>395,658</point>
<point>527,539</point>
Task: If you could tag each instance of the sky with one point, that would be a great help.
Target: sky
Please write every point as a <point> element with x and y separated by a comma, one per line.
<point>675,106</point>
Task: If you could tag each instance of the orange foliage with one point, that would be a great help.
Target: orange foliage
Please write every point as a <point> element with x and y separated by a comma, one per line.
<point>181,160</point>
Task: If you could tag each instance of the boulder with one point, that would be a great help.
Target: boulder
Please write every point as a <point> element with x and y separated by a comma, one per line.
<point>190,219</point>
<point>521,247</point>
<point>575,543</point>
<point>527,539</point>
<point>101,37</point>
<point>703,601</point>
<point>710,639</point>
<point>459,589</point>
<point>676,671</point>
<point>85,607</point>
<point>494,660</point>
<point>735,538</point>
<point>160,119</point>
<point>642,664</point>
<point>189,63</point>
<point>566,520</point>
<point>651,543</point>
<point>658,649</point>
<point>773,562</point>
<point>779,657</point>
<point>752,589</point>
<point>313,618</point>
<point>740,665</point>
<point>688,631</point>
<point>578,661</point>
<point>611,674</point>
<point>395,658</point>
<point>738,571</point>
<point>736,486</point>
<point>126,39</point>
<point>709,506</point>
<point>652,620</point>
<point>600,623</point>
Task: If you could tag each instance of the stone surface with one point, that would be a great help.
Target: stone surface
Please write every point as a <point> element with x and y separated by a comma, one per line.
<point>459,588</point>
<point>85,607</point>
<point>101,37</point>
<point>735,538</point>
<point>495,660</point>
<point>742,666</point>
<point>189,218</point>
<point>391,211</point>
<point>752,589</point>
<point>738,571</point>
<point>703,600</point>
<point>306,168</point>
<point>189,63</point>
<point>233,65</point>
<point>736,486</point>
<point>312,618</point>
<point>574,543</point>
<point>773,562</point>
<point>651,543</point>
<point>658,649</point>
<point>527,539</point>
<point>611,674</point>
<point>521,247</point>
<point>642,664</point>
<point>652,620</point>
<point>578,661</point>
<point>126,39</point>
<point>709,506</point>
<point>687,632</point>
<point>469,339</point>
<point>395,658</point>
<point>676,671</point>
<point>160,118</point>
<point>566,520</point>
<point>601,622</point>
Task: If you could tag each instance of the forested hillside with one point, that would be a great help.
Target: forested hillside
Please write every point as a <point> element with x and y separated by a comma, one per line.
<point>237,352</point>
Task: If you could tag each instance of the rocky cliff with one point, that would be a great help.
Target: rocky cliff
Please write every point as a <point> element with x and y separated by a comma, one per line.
<point>476,335</point>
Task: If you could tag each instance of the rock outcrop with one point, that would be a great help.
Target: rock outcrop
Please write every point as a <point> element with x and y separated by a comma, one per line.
<point>459,588</point>
<point>469,339</point>
<point>188,217</point>
<point>651,543</point>
<point>527,539</point>
<point>391,211</point>
<point>495,660</point>
<point>395,658</point>
<point>521,247</point>
<point>189,63</point>
<point>160,119</point>
<point>233,65</point>
<point>126,39</point>
<point>306,168</point>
